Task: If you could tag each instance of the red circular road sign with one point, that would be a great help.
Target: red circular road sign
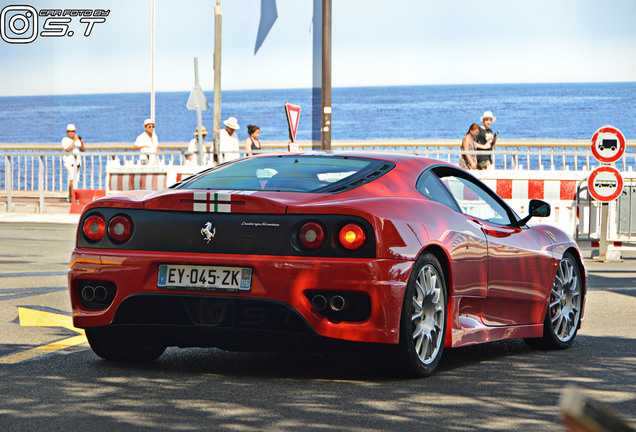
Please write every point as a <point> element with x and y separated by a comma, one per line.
<point>608,144</point>
<point>605,184</point>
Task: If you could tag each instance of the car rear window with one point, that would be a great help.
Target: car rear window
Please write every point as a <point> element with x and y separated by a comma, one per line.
<point>300,173</point>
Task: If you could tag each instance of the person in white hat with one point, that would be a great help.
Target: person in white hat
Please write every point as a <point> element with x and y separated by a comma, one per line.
<point>148,144</point>
<point>192,147</point>
<point>486,140</point>
<point>228,141</point>
<point>73,144</point>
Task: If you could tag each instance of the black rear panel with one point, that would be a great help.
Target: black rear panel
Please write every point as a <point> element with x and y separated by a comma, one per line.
<point>220,312</point>
<point>234,233</point>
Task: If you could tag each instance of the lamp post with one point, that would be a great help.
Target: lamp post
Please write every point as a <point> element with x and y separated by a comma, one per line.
<point>216,108</point>
<point>152,61</point>
<point>326,76</point>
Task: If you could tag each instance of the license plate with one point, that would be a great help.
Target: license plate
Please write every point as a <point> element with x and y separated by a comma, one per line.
<point>204,277</point>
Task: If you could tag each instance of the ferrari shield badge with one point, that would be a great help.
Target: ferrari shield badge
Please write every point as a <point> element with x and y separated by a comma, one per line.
<point>208,232</point>
<point>549,233</point>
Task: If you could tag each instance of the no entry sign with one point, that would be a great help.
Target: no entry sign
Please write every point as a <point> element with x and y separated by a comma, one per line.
<point>608,144</point>
<point>605,184</point>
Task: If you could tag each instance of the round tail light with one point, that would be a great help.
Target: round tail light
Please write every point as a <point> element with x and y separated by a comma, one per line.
<point>352,236</point>
<point>94,227</point>
<point>120,228</point>
<point>312,235</point>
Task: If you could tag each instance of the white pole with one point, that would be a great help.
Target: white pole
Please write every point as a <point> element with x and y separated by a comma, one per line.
<point>152,61</point>
<point>216,108</point>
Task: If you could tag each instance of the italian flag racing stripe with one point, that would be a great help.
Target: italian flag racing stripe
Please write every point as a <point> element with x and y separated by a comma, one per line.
<point>215,202</point>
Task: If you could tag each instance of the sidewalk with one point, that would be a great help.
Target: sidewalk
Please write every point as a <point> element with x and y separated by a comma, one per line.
<point>57,211</point>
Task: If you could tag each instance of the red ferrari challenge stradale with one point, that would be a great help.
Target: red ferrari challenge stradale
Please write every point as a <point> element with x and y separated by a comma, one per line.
<point>410,254</point>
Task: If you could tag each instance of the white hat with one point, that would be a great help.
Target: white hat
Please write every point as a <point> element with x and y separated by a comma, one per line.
<point>203,130</point>
<point>488,114</point>
<point>148,121</point>
<point>232,123</point>
<point>70,127</point>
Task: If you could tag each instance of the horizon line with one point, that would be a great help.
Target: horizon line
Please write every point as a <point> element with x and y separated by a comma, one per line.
<point>337,87</point>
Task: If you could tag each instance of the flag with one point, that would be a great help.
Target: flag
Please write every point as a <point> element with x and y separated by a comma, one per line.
<point>268,17</point>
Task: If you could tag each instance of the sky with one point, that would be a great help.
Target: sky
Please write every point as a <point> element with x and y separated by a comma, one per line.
<point>375,43</point>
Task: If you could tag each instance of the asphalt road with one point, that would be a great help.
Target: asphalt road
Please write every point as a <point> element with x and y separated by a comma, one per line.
<point>497,386</point>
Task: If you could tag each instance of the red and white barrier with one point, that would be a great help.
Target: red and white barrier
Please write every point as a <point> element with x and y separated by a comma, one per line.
<point>134,177</point>
<point>138,181</point>
<point>558,188</point>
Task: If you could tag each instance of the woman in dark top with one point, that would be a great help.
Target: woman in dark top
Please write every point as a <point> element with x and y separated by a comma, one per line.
<point>252,143</point>
<point>469,161</point>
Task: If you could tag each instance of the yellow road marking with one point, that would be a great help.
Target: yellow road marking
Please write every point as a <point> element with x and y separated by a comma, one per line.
<point>35,318</point>
<point>43,349</point>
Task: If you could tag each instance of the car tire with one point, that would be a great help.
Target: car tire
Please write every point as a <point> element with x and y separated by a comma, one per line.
<point>117,346</point>
<point>423,319</point>
<point>563,312</point>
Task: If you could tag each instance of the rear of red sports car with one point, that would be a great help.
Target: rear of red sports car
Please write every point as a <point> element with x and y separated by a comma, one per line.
<point>280,251</point>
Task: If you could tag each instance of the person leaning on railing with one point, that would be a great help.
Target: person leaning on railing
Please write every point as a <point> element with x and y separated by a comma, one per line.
<point>148,144</point>
<point>73,144</point>
<point>469,161</point>
<point>252,142</point>
<point>228,140</point>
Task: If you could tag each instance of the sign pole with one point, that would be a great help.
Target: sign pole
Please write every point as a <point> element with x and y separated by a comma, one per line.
<point>197,102</point>
<point>602,249</point>
<point>200,150</point>
<point>605,183</point>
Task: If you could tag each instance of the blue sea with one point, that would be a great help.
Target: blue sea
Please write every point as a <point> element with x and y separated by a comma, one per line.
<point>523,111</point>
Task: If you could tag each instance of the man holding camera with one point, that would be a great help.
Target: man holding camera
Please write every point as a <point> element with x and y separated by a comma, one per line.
<point>486,140</point>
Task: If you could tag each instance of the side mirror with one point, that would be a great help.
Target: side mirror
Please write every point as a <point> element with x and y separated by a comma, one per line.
<point>537,208</point>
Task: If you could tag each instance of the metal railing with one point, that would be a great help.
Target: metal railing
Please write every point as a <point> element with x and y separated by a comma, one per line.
<point>39,169</point>
<point>44,171</point>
